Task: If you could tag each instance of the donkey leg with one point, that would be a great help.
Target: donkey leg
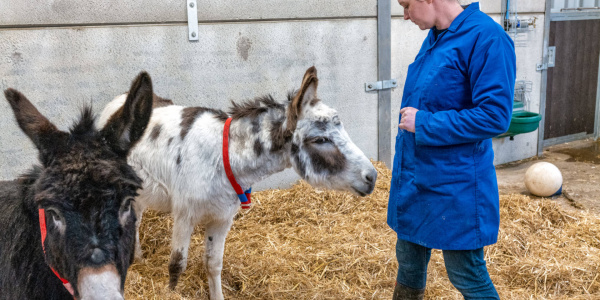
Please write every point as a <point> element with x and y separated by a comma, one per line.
<point>214,239</point>
<point>182,232</point>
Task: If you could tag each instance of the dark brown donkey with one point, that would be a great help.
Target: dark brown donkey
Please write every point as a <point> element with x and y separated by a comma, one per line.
<point>71,218</point>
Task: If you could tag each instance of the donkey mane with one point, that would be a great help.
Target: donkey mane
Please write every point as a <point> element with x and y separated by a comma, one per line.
<point>254,108</point>
<point>85,124</point>
<point>244,109</point>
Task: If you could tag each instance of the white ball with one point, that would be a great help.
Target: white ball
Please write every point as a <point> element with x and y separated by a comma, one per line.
<point>543,179</point>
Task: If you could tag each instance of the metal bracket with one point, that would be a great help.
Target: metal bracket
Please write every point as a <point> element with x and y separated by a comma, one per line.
<point>192,12</point>
<point>551,59</point>
<point>380,85</point>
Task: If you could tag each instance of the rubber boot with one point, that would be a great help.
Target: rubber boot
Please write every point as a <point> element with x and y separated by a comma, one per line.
<point>402,292</point>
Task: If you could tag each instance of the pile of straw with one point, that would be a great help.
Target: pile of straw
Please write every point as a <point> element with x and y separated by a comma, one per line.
<point>302,243</point>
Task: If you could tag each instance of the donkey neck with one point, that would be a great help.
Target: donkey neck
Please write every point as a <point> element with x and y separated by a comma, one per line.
<point>258,145</point>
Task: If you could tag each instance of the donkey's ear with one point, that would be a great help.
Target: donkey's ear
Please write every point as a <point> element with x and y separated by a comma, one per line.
<point>126,126</point>
<point>42,132</point>
<point>308,90</point>
<point>305,96</point>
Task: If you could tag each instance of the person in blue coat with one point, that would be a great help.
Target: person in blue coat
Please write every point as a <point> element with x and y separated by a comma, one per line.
<point>458,94</point>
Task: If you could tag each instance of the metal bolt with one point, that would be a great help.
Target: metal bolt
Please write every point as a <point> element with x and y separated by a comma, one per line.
<point>193,34</point>
<point>192,4</point>
<point>370,86</point>
<point>393,82</point>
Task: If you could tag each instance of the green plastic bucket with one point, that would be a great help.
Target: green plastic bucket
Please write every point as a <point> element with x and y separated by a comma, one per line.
<point>522,122</point>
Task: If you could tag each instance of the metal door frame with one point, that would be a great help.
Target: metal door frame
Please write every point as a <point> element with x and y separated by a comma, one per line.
<point>563,16</point>
<point>384,72</point>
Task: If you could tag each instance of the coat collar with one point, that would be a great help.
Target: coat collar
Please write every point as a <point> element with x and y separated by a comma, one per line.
<point>473,7</point>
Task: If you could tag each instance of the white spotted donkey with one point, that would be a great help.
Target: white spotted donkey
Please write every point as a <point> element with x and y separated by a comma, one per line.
<point>180,159</point>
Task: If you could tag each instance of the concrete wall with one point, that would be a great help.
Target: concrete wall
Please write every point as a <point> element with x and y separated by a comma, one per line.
<point>65,54</point>
<point>407,39</point>
<point>45,12</point>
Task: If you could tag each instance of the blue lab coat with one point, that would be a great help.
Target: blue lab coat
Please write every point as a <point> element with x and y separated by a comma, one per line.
<point>444,193</point>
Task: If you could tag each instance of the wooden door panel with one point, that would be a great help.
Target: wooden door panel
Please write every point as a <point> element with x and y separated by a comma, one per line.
<point>572,82</point>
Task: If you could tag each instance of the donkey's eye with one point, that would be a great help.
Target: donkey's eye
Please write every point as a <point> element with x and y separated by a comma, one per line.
<point>125,212</point>
<point>126,205</point>
<point>321,140</point>
<point>53,216</point>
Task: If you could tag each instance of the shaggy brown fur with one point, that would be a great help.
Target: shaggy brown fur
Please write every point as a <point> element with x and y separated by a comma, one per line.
<point>84,185</point>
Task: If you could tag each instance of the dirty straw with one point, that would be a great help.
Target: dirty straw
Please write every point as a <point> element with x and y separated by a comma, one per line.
<point>303,243</point>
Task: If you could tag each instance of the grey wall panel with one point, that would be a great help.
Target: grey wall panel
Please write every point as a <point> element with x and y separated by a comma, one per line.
<point>522,6</point>
<point>60,69</point>
<point>530,6</point>
<point>125,12</point>
<point>92,11</point>
<point>488,6</point>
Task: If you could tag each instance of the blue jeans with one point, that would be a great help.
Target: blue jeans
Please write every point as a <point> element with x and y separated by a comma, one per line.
<point>466,270</point>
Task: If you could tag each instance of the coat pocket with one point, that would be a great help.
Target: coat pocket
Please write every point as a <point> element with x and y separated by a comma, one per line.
<point>445,170</point>
<point>448,89</point>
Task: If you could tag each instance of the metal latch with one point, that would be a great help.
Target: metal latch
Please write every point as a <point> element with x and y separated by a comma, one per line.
<point>381,85</point>
<point>551,59</point>
<point>192,12</point>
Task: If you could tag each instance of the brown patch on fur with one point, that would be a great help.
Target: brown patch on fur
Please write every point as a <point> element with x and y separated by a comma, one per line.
<point>295,107</point>
<point>314,102</point>
<point>258,149</point>
<point>175,268</point>
<point>190,114</point>
<point>155,132</point>
<point>332,161</point>
<point>279,136</point>
<point>187,119</point>
<point>160,102</point>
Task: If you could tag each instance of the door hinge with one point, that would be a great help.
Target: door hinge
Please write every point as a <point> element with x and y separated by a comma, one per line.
<point>551,58</point>
<point>381,85</point>
<point>192,13</point>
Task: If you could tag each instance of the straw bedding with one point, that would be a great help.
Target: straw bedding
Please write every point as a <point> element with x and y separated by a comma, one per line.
<point>302,243</point>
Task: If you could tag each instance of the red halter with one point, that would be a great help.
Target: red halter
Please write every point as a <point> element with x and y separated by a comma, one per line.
<point>65,282</point>
<point>244,196</point>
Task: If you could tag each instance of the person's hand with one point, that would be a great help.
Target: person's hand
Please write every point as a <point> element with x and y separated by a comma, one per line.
<point>407,121</point>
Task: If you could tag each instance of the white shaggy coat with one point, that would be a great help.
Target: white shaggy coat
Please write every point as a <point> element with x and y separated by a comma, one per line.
<point>183,173</point>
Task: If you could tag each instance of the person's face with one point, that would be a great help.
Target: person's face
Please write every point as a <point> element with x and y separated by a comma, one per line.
<point>419,12</point>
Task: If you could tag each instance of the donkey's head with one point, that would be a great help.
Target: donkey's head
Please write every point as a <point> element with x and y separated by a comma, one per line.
<point>322,152</point>
<point>85,189</point>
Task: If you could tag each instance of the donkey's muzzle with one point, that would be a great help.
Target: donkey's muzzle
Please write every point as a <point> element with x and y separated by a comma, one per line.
<point>99,283</point>
<point>366,187</point>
